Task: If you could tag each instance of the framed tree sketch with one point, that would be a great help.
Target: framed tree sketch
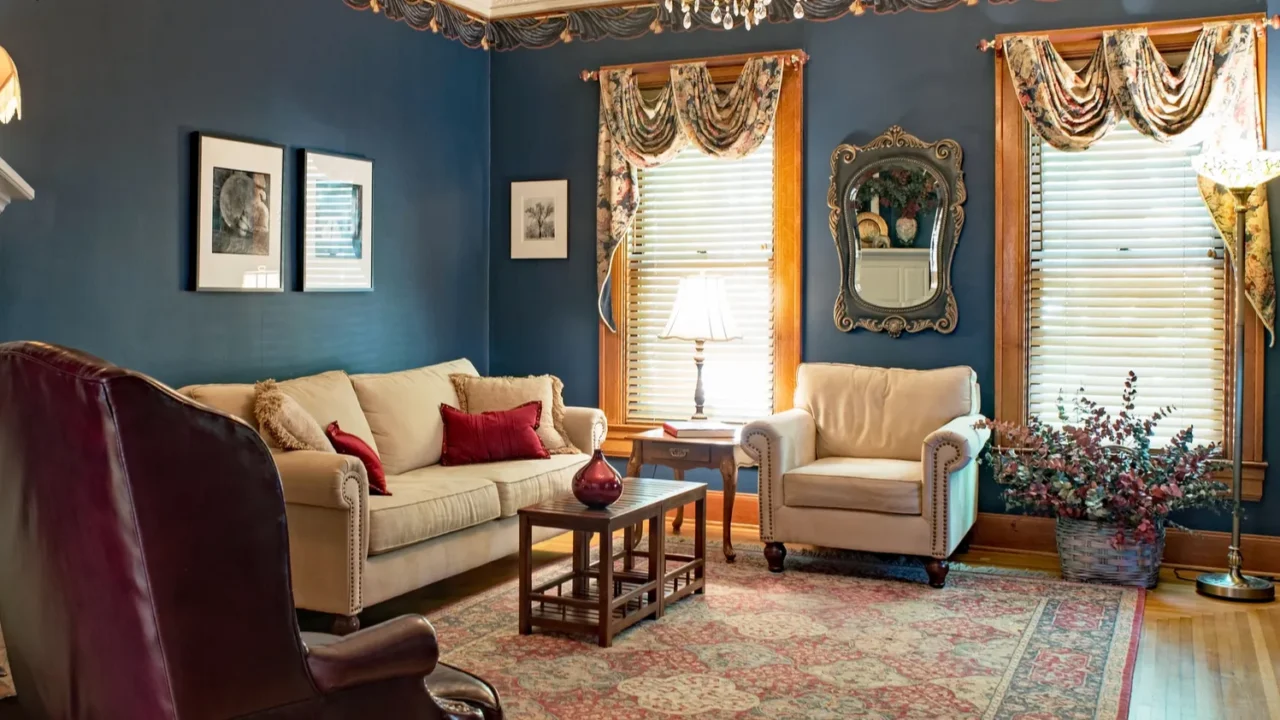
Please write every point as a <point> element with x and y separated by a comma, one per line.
<point>540,220</point>
<point>240,191</point>
<point>337,223</point>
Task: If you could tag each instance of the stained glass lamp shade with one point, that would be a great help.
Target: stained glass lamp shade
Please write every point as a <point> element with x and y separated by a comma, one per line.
<point>1238,171</point>
<point>10,90</point>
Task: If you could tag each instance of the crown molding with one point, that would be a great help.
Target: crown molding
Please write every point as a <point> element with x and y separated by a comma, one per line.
<point>12,186</point>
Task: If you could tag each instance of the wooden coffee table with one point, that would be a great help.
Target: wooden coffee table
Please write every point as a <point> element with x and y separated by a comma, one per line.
<point>599,598</point>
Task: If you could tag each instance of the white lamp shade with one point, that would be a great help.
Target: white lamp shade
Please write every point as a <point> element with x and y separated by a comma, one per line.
<point>701,311</point>
<point>1238,170</point>
<point>10,90</point>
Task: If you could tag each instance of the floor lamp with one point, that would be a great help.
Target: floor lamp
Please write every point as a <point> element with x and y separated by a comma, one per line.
<point>1242,174</point>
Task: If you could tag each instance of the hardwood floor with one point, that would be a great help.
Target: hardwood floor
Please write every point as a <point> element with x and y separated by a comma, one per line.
<point>1199,659</point>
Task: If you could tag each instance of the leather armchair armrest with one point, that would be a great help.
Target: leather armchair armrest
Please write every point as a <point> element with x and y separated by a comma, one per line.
<point>399,648</point>
<point>586,427</point>
<point>957,443</point>
<point>321,479</point>
<point>779,443</point>
<point>951,481</point>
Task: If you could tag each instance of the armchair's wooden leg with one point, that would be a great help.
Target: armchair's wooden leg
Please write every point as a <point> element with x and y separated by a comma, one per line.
<point>345,624</point>
<point>774,554</point>
<point>937,570</point>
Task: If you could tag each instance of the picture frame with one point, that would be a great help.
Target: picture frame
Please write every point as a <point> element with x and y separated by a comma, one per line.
<point>335,237</point>
<point>540,220</point>
<point>239,188</point>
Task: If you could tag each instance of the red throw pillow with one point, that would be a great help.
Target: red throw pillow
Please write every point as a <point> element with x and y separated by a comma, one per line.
<point>348,444</point>
<point>491,436</point>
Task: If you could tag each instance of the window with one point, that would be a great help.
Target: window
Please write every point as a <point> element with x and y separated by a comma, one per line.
<point>739,220</point>
<point>700,214</point>
<point>1126,273</point>
<point>1103,265</point>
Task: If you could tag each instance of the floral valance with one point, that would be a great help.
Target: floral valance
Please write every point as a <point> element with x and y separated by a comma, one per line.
<point>1212,99</point>
<point>640,130</point>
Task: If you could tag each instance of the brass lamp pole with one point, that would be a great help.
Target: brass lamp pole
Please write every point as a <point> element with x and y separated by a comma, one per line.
<point>1242,174</point>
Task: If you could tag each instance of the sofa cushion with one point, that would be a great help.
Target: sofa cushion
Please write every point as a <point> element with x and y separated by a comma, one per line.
<point>330,398</point>
<point>426,503</point>
<point>522,483</point>
<point>403,411</point>
<point>868,412</point>
<point>871,484</point>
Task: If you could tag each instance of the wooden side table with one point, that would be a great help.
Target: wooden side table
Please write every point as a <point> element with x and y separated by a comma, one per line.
<point>655,447</point>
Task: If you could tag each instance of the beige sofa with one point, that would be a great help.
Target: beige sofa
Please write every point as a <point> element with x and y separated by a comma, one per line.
<point>873,459</point>
<point>349,550</point>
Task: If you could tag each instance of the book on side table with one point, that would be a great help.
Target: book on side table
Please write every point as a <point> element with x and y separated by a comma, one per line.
<point>699,429</point>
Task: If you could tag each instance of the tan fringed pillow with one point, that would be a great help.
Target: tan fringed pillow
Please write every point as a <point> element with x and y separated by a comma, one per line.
<point>285,422</point>
<point>482,394</point>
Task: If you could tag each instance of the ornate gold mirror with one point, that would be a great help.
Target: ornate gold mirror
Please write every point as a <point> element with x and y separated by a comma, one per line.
<point>896,217</point>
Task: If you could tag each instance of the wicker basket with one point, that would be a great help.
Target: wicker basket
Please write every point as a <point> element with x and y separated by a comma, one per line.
<point>1084,547</point>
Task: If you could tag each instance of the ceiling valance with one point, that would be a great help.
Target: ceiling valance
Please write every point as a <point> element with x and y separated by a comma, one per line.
<point>544,29</point>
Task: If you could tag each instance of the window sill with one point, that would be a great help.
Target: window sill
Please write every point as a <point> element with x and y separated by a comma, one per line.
<point>1254,475</point>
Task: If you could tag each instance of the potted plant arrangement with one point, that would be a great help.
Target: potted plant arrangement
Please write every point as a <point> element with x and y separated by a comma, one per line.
<point>1110,490</point>
<point>907,191</point>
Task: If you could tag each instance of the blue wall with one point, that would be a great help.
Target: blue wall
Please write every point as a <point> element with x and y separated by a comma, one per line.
<point>918,70</point>
<point>112,93</point>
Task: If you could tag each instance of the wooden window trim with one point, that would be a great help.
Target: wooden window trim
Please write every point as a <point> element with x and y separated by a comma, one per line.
<point>788,164</point>
<point>1013,247</point>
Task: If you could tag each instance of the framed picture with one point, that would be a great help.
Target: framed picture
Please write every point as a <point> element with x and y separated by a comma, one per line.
<point>540,220</point>
<point>240,190</point>
<point>337,223</point>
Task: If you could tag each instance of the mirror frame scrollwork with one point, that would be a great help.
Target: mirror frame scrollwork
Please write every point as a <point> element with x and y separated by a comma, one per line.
<point>945,157</point>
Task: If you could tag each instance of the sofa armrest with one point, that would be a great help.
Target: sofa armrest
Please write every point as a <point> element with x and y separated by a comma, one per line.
<point>399,648</point>
<point>951,480</point>
<point>779,443</point>
<point>327,503</point>
<point>586,427</point>
<point>321,479</point>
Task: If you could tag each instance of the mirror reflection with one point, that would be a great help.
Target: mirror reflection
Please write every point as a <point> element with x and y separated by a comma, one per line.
<point>895,214</point>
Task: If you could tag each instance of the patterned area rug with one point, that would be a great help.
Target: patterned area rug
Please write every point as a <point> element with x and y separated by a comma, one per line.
<point>831,638</point>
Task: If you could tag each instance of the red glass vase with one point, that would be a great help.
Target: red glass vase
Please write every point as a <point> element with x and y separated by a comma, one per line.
<point>597,485</point>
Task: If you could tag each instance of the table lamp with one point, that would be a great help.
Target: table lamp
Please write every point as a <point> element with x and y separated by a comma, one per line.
<point>701,314</point>
<point>10,90</point>
<point>1241,173</point>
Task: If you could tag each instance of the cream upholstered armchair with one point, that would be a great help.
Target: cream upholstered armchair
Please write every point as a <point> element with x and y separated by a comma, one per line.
<point>873,459</point>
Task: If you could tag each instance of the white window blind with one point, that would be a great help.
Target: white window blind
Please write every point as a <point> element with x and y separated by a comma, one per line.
<point>702,214</point>
<point>1127,273</point>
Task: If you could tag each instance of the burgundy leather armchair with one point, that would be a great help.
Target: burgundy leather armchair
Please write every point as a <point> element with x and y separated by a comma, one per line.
<point>144,566</point>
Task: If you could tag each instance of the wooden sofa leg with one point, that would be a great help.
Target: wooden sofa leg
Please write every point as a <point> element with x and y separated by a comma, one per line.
<point>345,624</point>
<point>774,554</point>
<point>937,570</point>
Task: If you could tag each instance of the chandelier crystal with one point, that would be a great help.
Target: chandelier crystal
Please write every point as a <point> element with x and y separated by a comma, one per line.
<point>749,12</point>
